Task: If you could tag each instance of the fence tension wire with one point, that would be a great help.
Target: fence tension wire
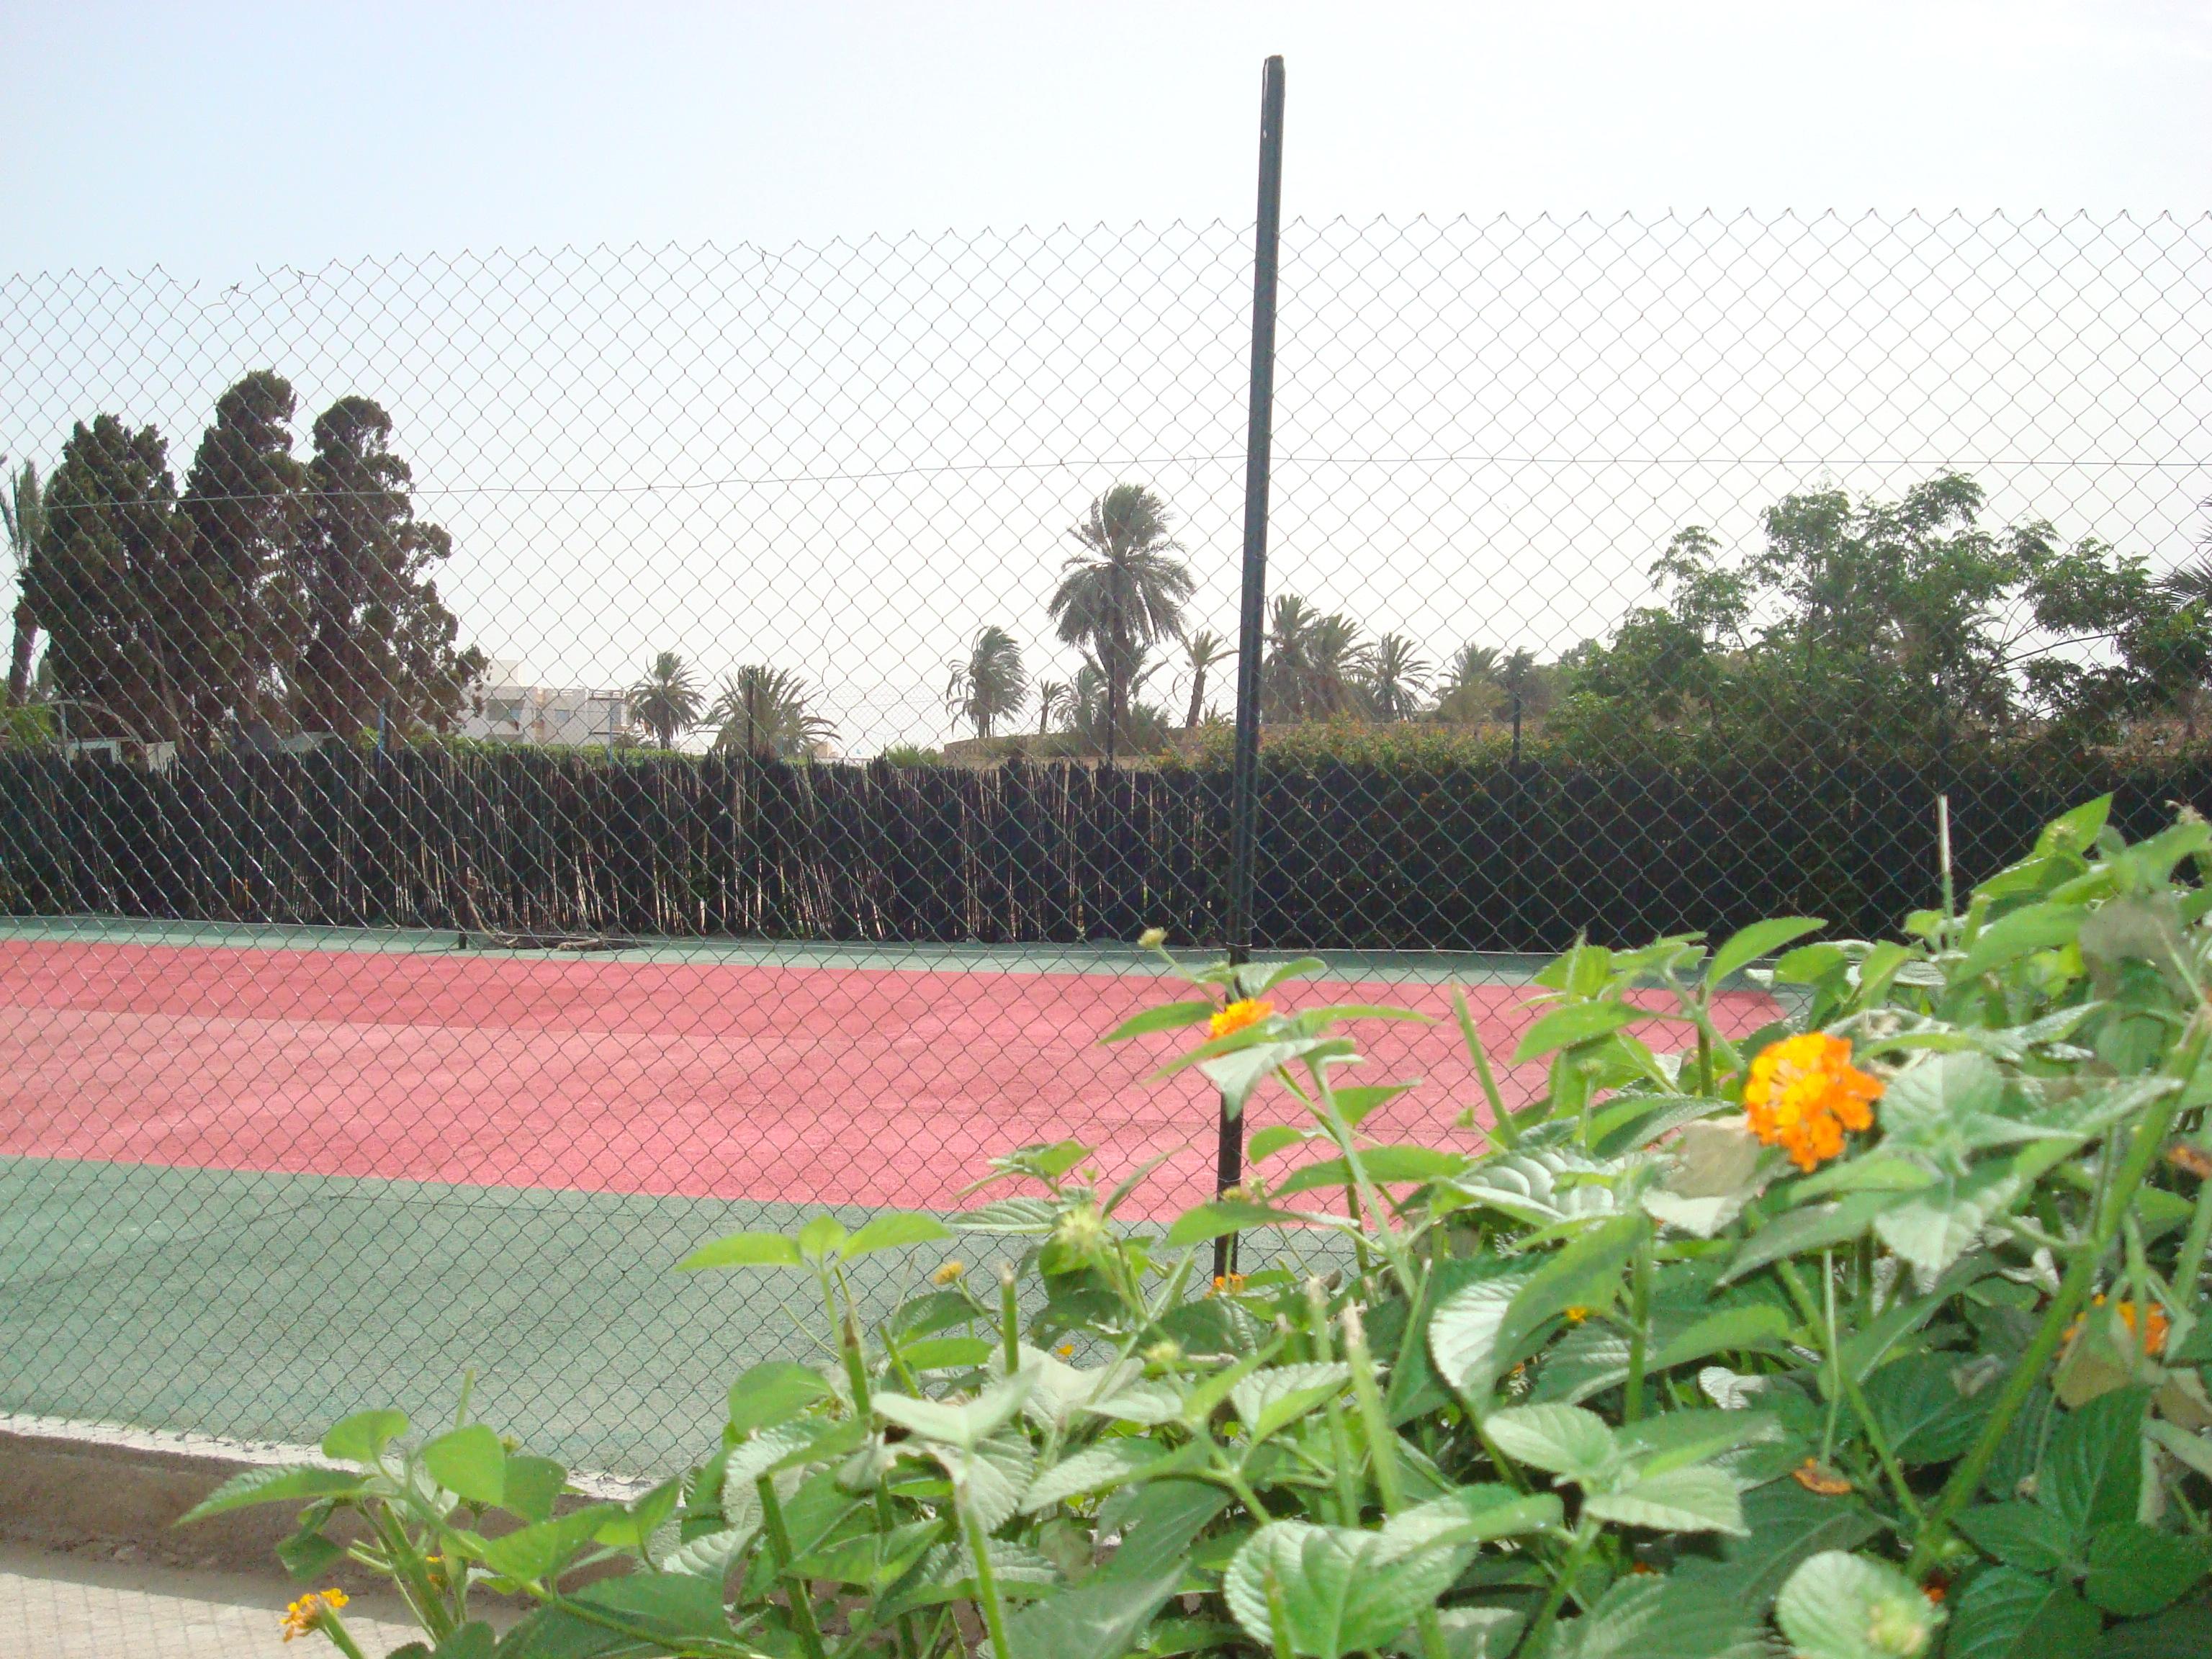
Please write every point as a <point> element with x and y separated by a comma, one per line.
<point>1244,778</point>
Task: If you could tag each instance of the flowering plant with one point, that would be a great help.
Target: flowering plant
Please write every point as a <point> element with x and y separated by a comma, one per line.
<point>1879,1332</point>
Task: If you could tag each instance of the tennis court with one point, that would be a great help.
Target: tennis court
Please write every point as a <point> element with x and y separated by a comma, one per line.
<point>251,1178</point>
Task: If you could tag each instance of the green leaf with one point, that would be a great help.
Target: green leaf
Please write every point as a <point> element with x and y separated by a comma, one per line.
<point>2092,1475</point>
<point>1204,1221</point>
<point>2134,1570</point>
<point>1109,1463</point>
<point>1168,1017</point>
<point>2006,1613</point>
<point>965,1426</point>
<point>1698,1498</point>
<point>674,1605</point>
<point>1783,1526</point>
<point>631,1527</point>
<point>1274,1139</point>
<point>2038,927</point>
<point>1474,1515</point>
<point>1354,1101</point>
<point>1272,1398</point>
<point>1761,938</point>
<point>273,1486</point>
<point>1097,1618</point>
<point>545,1548</point>
<point>821,1237</point>
<point>1463,1333</point>
<point>1586,1273</point>
<point>1760,1328</point>
<point>533,1484</point>
<point>362,1438</point>
<point>1340,1592</point>
<point>2182,1633</point>
<point>1844,1607</point>
<point>774,1391</point>
<point>1566,1440</point>
<point>1672,1440</point>
<point>1934,1227</point>
<point>2076,832</point>
<point>893,1231</point>
<point>2023,1535</point>
<point>307,1554</point>
<point>469,1462</point>
<point>947,1353</point>
<point>1578,1023</point>
<point>1157,1523</point>
<point>1923,1415</point>
<point>1674,1617</point>
<point>1817,1227</point>
<point>744,1250</point>
<point>1386,1166</point>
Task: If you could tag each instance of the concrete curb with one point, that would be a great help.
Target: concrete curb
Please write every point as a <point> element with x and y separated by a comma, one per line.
<point>108,1491</point>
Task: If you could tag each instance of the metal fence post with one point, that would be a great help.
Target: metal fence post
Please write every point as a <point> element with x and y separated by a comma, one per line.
<point>1245,779</point>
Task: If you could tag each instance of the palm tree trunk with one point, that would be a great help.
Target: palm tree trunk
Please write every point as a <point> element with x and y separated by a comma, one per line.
<point>1197,696</point>
<point>19,658</point>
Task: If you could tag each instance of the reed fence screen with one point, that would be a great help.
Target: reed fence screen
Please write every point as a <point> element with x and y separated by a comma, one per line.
<point>537,636</point>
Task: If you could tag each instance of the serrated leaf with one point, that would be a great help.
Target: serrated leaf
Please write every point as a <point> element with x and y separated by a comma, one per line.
<point>774,1391</point>
<point>1761,938</point>
<point>1274,1139</point>
<point>469,1462</point>
<point>1109,1463</point>
<point>2017,1535</point>
<point>1212,1220</point>
<point>1338,1593</point>
<point>1017,1216</point>
<point>1386,1166</point>
<point>2092,1473</point>
<point>1168,1017</point>
<point>1096,1618</point>
<point>947,1353</point>
<point>1838,1606</point>
<point>966,1426</point>
<point>1819,1226</point>
<point>532,1485</point>
<point>1463,1333</point>
<point>544,1546</point>
<point>2134,1570</point>
<point>2006,1613</point>
<point>821,1237</point>
<point>1472,1514</point>
<point>2038,927</point>
<point>362,1438</point>
<point>893,1231</point>
<point>1576,1023</point>
<point>1758,1328</point>
<point>1565,1440</point>
<point>274,1485</point>
<point>1272,1399</point>
<point>713,1554</point>
<point>1698,1498</point>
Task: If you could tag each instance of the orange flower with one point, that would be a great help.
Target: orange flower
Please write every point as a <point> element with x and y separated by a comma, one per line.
<point>1228,1284</point>
<point>2152,1342</point>
<point>1804,1093</point>
<point>1817,1477</point>
<point>309,1613</point>
<point>1245,1011</point>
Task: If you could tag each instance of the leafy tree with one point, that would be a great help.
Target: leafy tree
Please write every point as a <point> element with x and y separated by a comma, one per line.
<point>667,702</point>
<point>988,684</point>
<point>23,517</point>
<point>1393,677</point>
<point>1314,662</point>
<point>1055,698</point>
<point>764,712</point>
<point>97,575</point>
<point>1142,726</point>
<point>1202,651</point>
<point>375,634</point>
<point>1468,694</point>
<point>243,512</point>
<point>1124,590</point>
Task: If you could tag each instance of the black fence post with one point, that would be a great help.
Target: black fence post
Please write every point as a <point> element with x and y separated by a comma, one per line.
<point>1245,779</point>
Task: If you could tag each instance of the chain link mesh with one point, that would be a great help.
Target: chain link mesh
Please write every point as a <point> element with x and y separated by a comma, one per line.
<point>407,961</point>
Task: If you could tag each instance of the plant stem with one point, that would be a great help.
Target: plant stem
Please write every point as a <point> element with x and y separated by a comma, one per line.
<point>795,1590</point>
<point>1539,1628</point>
<point>1639,1307</point>
<point>986,1583</point>
<point>1843,1383</point>
<point>2189,1266</point>
<point>1009,1318</point>
<point>2072,1290</point>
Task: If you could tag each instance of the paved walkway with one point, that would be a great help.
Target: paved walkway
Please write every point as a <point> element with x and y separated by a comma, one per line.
<point>64,1607</point>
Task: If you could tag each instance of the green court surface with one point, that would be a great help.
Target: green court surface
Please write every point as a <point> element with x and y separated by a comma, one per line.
<point>263,1307</point>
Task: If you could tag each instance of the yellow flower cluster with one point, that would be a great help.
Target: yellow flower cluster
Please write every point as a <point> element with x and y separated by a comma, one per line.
<point>1245,1011</point>
<point>306,1616</point>
<point>1804,1093</point>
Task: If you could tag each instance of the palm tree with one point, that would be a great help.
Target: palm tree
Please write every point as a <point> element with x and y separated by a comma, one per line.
<point>1518,676</point>
<point>1143,726</point>
<point>666,700</point>
<point>1124,590</point>
<point>22,511</point>
<point>1395,679</point>
<point>1312,662</point>
<point>1055,699</point>
<point>1338,662</point>
<point>764,712</point>
<point>1469,693</point>
<point>1200,651</point>
<point>989,684</point>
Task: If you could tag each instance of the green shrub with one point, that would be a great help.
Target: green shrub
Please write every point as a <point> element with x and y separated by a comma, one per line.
<point>1877,1333</point>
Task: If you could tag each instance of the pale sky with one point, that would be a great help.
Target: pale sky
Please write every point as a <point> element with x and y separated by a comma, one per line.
<point>868,300</point>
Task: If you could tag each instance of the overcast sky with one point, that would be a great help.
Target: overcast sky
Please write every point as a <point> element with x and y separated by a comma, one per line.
<point>794,432</point>
<point>216,139</point>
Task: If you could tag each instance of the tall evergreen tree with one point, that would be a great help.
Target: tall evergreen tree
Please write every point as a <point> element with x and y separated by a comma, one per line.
<point>233,608</point>
<point>375,637</point>
<point>23,514</point>
<point>99,577</point>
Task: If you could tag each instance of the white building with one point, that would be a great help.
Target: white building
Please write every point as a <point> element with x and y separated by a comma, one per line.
<point>504,708</point>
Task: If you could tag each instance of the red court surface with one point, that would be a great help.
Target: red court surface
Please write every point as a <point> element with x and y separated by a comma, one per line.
<point>801,1085</point>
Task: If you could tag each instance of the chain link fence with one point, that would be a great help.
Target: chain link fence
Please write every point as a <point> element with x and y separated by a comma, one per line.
<point>515,765</point>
